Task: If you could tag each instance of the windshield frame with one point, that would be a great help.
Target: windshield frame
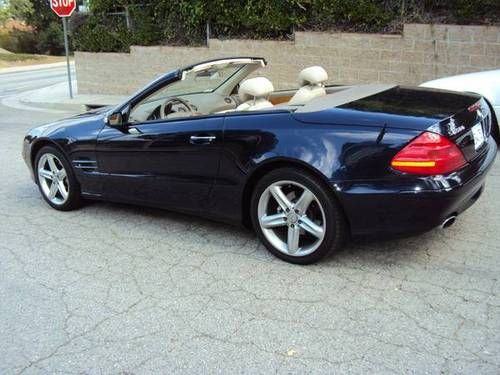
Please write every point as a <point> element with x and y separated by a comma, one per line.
<point>148,99</point>
<point>171,77</point>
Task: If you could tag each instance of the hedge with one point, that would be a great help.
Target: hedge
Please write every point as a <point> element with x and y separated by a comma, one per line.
<point>184,21</point>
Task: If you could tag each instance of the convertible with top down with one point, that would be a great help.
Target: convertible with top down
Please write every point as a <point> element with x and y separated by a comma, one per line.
<point>306,168</point>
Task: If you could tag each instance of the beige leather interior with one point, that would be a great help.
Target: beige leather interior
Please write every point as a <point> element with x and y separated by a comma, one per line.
<point>312,80</point>
<point>254,94</point>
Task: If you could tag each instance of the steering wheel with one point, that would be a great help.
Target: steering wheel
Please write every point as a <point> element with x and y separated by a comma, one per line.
<point>166,107</point>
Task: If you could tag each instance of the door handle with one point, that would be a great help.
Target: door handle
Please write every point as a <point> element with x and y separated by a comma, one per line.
<point>202,138</point>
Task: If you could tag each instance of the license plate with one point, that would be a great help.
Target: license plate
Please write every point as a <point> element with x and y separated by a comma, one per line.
<point>477,133</point>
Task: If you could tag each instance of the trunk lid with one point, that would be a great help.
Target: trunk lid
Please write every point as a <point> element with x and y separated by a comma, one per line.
<point>469,129</point>
<point>455,115</point>
<point>415,102</point>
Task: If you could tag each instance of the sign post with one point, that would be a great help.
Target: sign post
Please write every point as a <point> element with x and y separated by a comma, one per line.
<point>66,47</point>
<point>64,9</point>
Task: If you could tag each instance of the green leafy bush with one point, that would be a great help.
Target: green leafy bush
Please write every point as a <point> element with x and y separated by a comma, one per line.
<point>467,11</point>
<point>356,15</point>
<point>4,39</point>
<point>255,18</point>
<point>184,21</point>
<point>50,40</point>
<point>19,41</point>
<point>92,35</point>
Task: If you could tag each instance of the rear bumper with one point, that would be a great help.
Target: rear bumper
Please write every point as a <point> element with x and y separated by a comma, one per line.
<point>413,205</point>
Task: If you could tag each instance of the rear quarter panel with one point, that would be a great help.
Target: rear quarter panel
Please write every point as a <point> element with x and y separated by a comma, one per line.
<point>341,154</point>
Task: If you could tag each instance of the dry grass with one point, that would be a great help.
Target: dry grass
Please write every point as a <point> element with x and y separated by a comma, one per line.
<point>19,59</point>
<point>15,25</point>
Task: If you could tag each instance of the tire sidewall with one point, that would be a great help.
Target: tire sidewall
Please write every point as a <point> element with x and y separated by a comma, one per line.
<point>333,234</point>
<point>74,188</point>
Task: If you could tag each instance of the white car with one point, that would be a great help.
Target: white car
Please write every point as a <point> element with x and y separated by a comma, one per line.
<point>486,84</point>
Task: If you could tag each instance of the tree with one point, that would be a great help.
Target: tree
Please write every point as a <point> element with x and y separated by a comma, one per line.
<point>44,32</point>
<point>5,14</point>
<point>20,9</point>
<point>15,9</point>
<point>45,24</point>
<point>41,16</point>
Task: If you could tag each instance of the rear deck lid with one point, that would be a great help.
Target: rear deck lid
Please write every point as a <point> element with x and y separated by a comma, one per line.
<point>469,128</point>
<point>414,102</point>
<point>392,106</point>
<point>452,114</point>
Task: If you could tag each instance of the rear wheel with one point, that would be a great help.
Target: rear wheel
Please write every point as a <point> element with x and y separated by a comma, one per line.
<point>56,180</point>
<point>296,217</point>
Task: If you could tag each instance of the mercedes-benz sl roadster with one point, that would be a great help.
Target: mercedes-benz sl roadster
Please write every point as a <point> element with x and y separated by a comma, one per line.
<point>305,168</point>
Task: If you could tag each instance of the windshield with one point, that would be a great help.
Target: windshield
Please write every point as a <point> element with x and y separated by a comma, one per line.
<point>194,82</point>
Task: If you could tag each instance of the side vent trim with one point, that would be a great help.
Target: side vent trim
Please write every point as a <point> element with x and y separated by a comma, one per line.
<point>85,165</point>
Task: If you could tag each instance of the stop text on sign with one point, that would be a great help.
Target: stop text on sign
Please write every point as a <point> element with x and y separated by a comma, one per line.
<point>63,8</point>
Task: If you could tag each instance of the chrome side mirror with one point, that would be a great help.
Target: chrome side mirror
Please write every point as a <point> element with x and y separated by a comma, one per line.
<point>118,119</point>
<point>115,119</point>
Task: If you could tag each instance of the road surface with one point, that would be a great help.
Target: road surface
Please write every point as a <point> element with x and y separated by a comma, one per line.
<point>13,83</point>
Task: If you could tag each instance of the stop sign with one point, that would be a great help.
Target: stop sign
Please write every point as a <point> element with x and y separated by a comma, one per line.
<point>63,8</point>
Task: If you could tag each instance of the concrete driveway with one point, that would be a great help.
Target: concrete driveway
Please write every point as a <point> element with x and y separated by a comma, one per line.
<point>114,289</point>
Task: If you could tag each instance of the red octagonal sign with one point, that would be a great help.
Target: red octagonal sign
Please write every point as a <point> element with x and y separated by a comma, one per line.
<point>63,8</point>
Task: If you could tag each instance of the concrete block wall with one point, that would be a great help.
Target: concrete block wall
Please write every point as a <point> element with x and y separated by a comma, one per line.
<point>421,53</point>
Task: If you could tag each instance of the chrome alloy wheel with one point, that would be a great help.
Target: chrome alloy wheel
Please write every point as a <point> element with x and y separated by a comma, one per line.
<point>291,218</point>
<point>53,179</point>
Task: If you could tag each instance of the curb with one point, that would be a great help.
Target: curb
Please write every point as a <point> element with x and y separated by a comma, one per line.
<point>35,100</point>
<point>28,68</point>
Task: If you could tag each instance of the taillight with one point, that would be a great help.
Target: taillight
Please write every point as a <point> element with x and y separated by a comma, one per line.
<point>429,154</point>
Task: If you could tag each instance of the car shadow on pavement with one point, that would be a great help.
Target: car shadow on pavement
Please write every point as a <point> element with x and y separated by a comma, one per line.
<point>196,229</point>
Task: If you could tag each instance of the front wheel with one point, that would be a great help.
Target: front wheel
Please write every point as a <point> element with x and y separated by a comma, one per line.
<point>296,217</point>
<point>56,180</point>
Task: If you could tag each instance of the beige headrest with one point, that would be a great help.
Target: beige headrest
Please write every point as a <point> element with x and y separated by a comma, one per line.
<point>313,75</point>
<point>258,87</point>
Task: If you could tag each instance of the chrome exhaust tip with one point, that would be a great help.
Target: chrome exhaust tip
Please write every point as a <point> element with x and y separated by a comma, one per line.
<point>449,222</point>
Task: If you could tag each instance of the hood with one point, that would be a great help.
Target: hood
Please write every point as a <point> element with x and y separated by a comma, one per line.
<point>87,120</point>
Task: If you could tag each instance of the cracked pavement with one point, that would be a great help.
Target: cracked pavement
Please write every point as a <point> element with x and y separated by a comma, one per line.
<point>115,289</point>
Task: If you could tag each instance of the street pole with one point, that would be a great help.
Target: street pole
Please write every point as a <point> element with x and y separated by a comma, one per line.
<point>66,47</point>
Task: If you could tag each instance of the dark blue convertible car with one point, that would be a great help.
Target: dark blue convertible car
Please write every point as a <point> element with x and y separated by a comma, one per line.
<point>306,168</point>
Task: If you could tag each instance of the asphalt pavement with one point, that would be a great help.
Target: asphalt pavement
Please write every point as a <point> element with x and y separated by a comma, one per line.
<point>16,82</point>
<point>115,289</point>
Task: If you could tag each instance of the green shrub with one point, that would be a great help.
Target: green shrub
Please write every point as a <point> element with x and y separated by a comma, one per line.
<point>50,40</point>
<point>181,22</point>
<point>19,41</point>
<point>99,32</point>
<point>479,11</point>
<point>92,36</point>
<point>44,32</point>
<point>356,15</point>
<point>184,21</point>
<point>4,38</point>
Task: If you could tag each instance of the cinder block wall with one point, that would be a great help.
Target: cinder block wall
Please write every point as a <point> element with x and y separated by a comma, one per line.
<point>422,52</point>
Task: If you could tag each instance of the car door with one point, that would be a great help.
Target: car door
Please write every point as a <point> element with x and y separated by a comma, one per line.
<point>147,154</point>
<point>164,163</point>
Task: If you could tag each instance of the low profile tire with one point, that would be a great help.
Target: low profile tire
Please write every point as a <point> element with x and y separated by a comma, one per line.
<point>56,180</point>
<point>296,217</point>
